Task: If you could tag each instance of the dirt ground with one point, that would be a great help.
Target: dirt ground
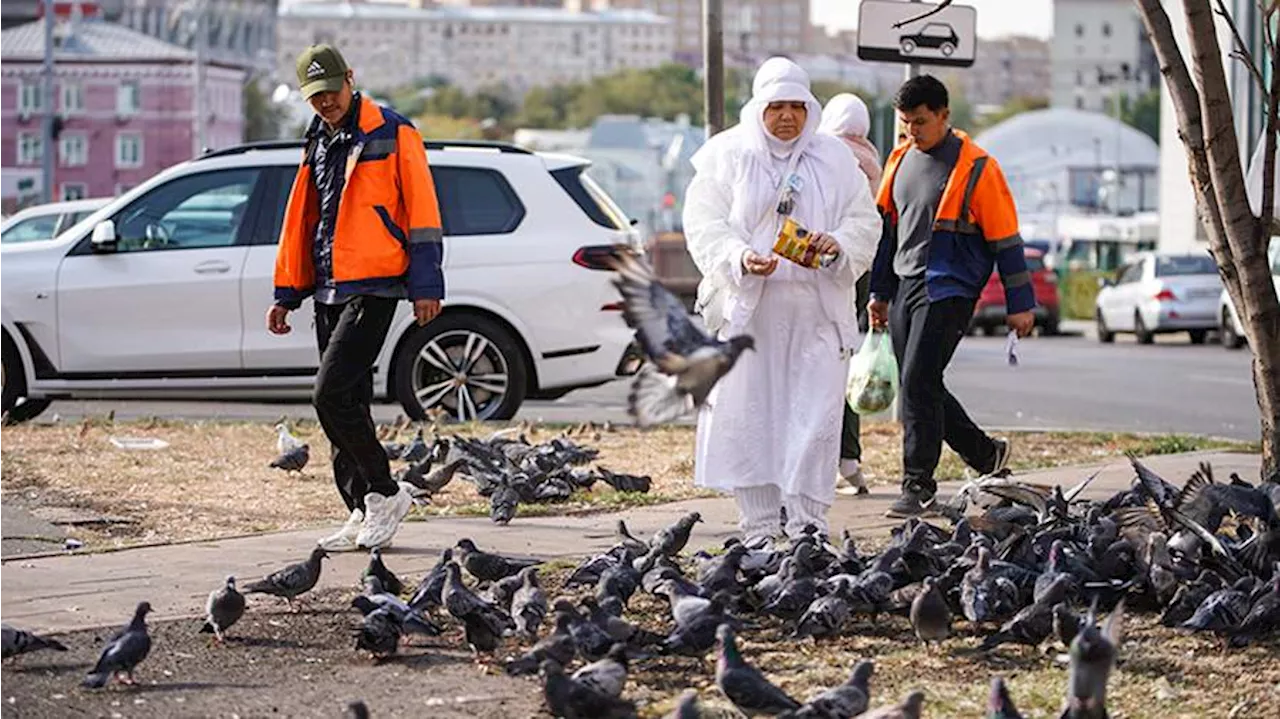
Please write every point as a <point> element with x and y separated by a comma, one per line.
<point>305,665</point>
<point>213,480</point>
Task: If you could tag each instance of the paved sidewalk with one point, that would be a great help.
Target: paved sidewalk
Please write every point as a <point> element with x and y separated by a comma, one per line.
<point>64,593</point>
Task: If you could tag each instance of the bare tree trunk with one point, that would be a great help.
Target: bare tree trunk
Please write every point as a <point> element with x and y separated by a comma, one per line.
<point>1236,238</point>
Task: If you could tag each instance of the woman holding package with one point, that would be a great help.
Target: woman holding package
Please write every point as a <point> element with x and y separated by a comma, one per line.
<point>847,118</point>
<point>769,433</point>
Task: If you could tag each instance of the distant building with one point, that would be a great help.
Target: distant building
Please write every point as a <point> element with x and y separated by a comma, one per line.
<point>751,27</point>
<point>1099,50</point>
<point>242,33</point>
<point>1180,226</point>
<point>1009,68</point>
<point>392,45</point>
<point>126,101</point>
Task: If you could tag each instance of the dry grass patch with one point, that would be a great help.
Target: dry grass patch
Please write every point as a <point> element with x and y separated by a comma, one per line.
<point>213,479</point>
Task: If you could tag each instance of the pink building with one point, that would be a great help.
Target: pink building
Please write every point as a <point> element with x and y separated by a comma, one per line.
<point>126,104</point>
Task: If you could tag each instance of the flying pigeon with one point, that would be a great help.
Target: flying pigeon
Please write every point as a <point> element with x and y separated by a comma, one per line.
<point>124,652</point>
<point>686,362</point>
<point>224,608</point>
<point>291,581</point>
<point>18,641</point>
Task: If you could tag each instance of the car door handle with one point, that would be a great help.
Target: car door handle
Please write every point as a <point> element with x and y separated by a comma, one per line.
<point>213,267</point>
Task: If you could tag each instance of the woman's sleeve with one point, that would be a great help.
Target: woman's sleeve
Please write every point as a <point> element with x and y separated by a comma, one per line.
<point>714,246</point>
<point>859,227</point>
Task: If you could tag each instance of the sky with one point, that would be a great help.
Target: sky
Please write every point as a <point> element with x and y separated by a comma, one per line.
<point>995,17</point>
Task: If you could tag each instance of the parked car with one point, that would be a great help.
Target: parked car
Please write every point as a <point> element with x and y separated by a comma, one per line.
<point>43,222</point>
<point>989,312</point>
<point>1230,328</point>
<point>1160,293</point>
<point>163,291</point>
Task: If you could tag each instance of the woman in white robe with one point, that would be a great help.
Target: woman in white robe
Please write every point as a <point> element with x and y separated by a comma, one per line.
<point>769,433</point>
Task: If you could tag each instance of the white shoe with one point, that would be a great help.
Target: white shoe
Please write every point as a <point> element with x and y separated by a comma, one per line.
<point>382,518</point>
<point>850,481</point>
<point>345,539</point>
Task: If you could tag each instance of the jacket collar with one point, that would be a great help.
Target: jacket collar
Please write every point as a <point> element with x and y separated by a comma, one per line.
<point>365,117</point>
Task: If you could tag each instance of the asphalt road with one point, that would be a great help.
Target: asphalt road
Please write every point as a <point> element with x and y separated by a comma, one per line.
<point>1070,382</point>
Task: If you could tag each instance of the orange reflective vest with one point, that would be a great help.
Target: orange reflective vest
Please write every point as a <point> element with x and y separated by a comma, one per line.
<point>388,229</point>
<point>976,227</point>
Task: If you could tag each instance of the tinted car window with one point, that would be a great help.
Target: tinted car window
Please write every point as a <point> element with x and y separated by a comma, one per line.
<point>36,228</point>
<point>1185,265</point>
<point>476,201</point>
<point>204,210</point>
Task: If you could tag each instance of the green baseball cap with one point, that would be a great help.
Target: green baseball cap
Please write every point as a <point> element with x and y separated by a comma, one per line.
<point>321,68</point>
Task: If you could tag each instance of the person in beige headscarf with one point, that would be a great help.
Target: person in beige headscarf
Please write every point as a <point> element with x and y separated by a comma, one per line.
<point>847,118</point>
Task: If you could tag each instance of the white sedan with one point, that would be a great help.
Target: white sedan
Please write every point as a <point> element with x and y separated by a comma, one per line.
<point>1160,293</point>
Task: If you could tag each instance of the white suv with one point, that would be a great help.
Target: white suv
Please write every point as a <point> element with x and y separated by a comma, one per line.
<point>163,292</point>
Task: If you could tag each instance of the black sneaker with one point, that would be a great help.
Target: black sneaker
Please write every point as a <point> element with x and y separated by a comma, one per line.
<point>913,502</point>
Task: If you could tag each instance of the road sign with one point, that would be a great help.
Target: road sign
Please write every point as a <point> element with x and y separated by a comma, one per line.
<point>896,31</point>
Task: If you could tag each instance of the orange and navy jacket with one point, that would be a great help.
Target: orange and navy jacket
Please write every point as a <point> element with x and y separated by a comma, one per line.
<point>976,226</point>
<point>388,230</point>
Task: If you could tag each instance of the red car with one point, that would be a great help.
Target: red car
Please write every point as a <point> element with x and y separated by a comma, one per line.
<point>989,312</point>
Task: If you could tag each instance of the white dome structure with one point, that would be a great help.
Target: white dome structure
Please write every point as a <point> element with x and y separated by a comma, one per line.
<point>1068,157</point>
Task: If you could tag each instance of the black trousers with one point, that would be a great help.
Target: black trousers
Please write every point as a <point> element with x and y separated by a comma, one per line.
<point>350,336</point>
<point>851,426</point>
<point>925,335</point>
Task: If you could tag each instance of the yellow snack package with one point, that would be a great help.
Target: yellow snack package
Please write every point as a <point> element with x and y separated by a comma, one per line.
<point>794,243</point>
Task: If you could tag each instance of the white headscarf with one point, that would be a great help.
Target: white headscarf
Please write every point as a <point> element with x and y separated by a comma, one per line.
<point>846,114</point>
<point>779,80</point>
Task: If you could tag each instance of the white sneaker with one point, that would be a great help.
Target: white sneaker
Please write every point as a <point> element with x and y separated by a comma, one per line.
<point>382,518</point>
<point>850,481</point>
<point>345,539</point>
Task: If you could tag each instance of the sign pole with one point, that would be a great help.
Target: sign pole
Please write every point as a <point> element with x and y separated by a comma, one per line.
<point>713,64</point>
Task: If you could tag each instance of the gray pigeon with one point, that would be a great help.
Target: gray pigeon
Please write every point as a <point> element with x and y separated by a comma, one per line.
<point>688,707</point>
<point>291,581</point>
<point>529,603</point>
<point>379,633</point>
<point>376,568</point>
<point>847,700</point>
<point>592,640</point>
<point>930,615</point>
<point>416,450</point>
<point>503,503</point>
<point>824,617</point>
<point>293,460</point>
<point>1033,623</point>
<point>1189,597</point>
<point>1093,654</point>
<point>483,621</point>
<point>607,676</point>
<point>558,645</point>
<point>743,684</point>
<point>688,361</point>
<point>572,700</point>
<point>411,620</point>
<point>224,608</point>
<point>1066,623</point>
<point>489,567</point>
<point>426,481</point>
<point>910,708</point>
<point>18,641</point>
<point>670,540</point>
<point>1263,617</point>
<point>427,595</point>
<point>124,652</point>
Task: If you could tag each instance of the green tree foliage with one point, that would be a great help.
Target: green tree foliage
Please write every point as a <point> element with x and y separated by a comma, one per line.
<point>262,117</point>
<point>1142,113</point>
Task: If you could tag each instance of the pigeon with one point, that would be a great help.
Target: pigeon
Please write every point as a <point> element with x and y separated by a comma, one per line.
<point>1263,617</point>
<point>466,607</point>
<point>529,603</point>
<point>426,482</point>
<point>910,708</point>
<point>285,441</point>
<point>503,503</point>
<point>416,450</point>
<point>1093,654</point>
<point>593,642</point>
<point>625,482</point>
<point>124,652</point>
<point>606,676</point>
<point>670,540</point>
<point>1066,623</point>
<point>411,620</point>
<point>685,362</point>
<point>293,460</point>
<point>357,710</point>
<point>1034,622</point>
<point>224,608</point>
<point>1189,597</point>
<point>558,645</point>
<point>489,567</point>
<point>618,629</point>
<point>379,633</point>
<point>930,615</point>
<point>824,617</point>
<point>573,700</point>
<point>291,581</point>
<point>1000,705</point>
<point>390,582</point>
<point>984,594</point>
<point>743,684</point>
<point>847,700</point>
<point>427,594</point>
<point>633,545</point>
<point>18,641</point>
<point>687,707</point>
<point>1220,612</point>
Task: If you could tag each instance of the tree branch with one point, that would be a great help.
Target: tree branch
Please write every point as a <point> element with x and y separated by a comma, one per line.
<point>1186,107</point>
<point>1241,52</point>
<point>1266,219</point>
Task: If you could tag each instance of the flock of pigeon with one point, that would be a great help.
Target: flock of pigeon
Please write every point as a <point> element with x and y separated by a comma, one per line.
<point>506,468</point>
<point>1019,564</point>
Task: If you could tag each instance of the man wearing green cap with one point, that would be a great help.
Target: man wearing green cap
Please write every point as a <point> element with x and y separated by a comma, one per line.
<point>361,232</point>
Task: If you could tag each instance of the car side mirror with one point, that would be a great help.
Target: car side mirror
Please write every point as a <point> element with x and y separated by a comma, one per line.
<point>103,238</point>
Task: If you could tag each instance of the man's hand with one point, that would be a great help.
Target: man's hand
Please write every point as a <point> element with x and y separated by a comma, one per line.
<point>824,244</point>
<point>754,264</point>
<point>878,314</point>
<point>425,310</point>
<point>277,320</point>
<point>1021,322</point>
